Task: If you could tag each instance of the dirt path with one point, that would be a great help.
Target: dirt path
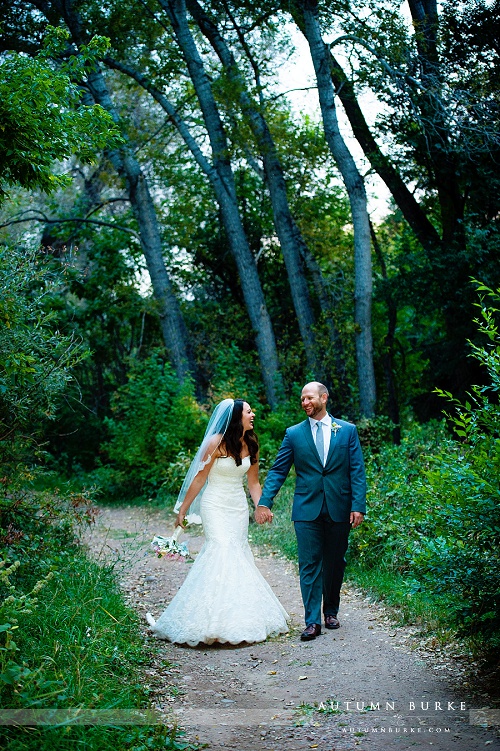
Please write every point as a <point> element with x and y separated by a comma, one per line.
<point>366,686</point>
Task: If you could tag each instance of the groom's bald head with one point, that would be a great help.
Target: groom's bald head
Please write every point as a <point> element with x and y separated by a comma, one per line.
<point>320,388</point>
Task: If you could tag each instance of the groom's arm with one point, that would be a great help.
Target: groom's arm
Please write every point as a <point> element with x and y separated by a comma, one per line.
<point>278,472</point>
<point>357,472</point>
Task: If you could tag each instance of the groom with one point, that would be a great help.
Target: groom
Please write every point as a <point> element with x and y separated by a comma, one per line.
<point>329,499</point>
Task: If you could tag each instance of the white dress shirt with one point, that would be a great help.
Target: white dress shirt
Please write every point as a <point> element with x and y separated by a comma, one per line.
<point>326,422</point>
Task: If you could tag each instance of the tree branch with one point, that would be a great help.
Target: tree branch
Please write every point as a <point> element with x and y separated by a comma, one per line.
<point>78,220</point>
<point>171,111</point>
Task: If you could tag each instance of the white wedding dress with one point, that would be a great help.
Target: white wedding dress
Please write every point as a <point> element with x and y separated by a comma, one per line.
<point>224,598</point>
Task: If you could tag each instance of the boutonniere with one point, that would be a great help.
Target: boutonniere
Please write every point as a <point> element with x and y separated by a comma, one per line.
<point>335,427</point>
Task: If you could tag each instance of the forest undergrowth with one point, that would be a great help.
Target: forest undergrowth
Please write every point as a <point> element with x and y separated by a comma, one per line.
<point>69,641</point>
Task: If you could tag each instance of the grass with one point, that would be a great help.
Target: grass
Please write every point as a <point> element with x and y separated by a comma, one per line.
<point>83,648</point>
<point>304,713</point>
<point>407,606</point>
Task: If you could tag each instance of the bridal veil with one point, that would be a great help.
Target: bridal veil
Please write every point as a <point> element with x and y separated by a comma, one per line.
<point>217,425</point>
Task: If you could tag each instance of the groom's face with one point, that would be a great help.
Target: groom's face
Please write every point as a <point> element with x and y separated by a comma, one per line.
<point>313,403</point>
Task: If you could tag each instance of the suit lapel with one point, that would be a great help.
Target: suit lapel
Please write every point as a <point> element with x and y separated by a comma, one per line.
<point>309,440</point>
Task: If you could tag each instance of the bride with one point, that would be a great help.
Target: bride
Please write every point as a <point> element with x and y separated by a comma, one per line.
<point>224,598</point>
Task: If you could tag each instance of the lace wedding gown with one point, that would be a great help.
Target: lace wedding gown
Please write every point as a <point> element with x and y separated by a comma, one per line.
<point>224,598</point>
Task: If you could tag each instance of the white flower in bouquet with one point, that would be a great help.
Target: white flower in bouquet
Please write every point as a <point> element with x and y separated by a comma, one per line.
<point>169,547</point>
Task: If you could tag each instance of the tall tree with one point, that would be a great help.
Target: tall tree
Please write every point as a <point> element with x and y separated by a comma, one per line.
<point>411,209</point>
<point>126,164</point>
<point>291,240</point>
<point>228,199</point>
<point>129,168</point>
<point>437,77</point>
<point>306,13</point>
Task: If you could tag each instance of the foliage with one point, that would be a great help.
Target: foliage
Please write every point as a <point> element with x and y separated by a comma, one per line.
<point>42,117</point>
<point>157,424</point>
<point>271,426</point>
<point>103,308</point>
<point>154,418</point>
<point>12,607</point>
<point>74,648</point>
<point>467,487</point>
<point>435,502</point>
<point>67,639</point>
<point>374,433</point>
<point>36,355</point>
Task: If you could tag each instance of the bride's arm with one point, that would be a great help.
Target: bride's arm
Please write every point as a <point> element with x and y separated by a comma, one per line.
<point>200,479</point>
<point>254,487</point>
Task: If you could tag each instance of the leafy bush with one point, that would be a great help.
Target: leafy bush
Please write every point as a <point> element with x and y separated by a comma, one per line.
<point>155,419</point>
<point>395,510</point>
<point>36,356</point>
<point>435,501</point>
<point>271,426</point>
<point>374,432</point>
<point>157,425</point>
<point>235,375</point>
<point>77,647</point>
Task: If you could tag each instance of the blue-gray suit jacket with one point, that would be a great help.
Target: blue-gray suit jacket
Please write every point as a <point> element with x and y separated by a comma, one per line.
<point>341,481</point>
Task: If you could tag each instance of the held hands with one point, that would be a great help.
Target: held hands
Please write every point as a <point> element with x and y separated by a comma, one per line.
<point>263,515</point>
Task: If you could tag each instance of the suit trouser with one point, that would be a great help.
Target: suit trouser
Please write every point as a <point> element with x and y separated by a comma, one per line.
<point>322,545</point>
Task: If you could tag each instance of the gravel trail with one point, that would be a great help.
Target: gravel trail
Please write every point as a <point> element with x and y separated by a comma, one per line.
<point>368,685</point>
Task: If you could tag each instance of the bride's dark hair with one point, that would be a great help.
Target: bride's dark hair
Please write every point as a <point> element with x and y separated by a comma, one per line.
<point>234,432</point>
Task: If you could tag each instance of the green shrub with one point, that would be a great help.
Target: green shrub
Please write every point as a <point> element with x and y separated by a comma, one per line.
<point>67,639</point>
<point>395,511</point>
<point>434,502</point>
<point>154,420</point>
<point>157,425</point>
<point>78,646</point>
<point>36,356</point>
<point>236,375</point>
<point>270,426</point>
<point>463,487</point>
<point>374,432</point>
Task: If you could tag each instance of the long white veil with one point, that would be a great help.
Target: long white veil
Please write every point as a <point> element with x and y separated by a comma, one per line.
<point>217,425</point>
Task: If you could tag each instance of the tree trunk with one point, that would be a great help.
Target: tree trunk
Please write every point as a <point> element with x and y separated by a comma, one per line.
<point>388,356</point>
<point>172,324</point>
<point>357,196</point>
<point>410,208</point>
<point>226,195</point>
<point>124,161</point>
<point>340,395</point>
<point>289,235</point>
<point>443,159</point>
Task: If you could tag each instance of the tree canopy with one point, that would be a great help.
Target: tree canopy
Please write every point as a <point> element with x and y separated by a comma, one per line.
<point>192,167</point>
<point>43,120</point>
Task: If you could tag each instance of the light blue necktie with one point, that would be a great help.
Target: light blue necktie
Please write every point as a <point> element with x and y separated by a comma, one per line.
<point>320,442</point>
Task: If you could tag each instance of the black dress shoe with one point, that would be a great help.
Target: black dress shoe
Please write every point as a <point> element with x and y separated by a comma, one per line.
<point>331,622</point>
<point>310,632</point>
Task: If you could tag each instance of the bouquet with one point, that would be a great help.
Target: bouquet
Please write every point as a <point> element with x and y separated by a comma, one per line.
<point>169,546</point>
